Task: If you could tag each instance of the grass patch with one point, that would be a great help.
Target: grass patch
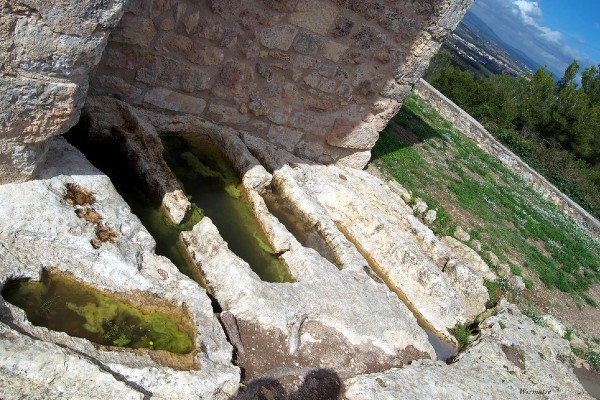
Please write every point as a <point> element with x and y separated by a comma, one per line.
<point>494,291</point>
<point>462,333</point>
<point>446,169</point>
<point>535,317</point>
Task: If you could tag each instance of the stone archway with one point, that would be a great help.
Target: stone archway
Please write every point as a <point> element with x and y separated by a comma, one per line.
<point>317,78</point>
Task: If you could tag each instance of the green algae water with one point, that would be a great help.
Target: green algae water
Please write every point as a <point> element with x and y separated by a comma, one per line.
<point>213,185</point>
<point>60,303</point>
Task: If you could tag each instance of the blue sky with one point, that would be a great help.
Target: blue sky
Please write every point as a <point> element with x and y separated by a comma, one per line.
<point>551,32</point>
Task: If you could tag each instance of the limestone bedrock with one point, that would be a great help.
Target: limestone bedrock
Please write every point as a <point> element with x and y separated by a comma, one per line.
<point>40,230</point>
<point>47,51</point>
<point>513,358</point>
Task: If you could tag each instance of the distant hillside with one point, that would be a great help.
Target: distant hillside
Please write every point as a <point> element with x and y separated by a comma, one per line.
<point>475,46</point>
<point>480,27</point>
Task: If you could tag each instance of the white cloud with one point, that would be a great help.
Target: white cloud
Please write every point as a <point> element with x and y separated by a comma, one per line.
<point>520,24</point>
<point>528,10</point>
<point>531,14</point>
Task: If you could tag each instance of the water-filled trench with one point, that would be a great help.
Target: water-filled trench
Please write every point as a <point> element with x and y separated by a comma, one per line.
<point>61,303</point>
<point>214,188</point>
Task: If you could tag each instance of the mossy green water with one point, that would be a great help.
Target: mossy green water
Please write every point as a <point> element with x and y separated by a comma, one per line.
<point>215,187</point>
<point>62,304</point>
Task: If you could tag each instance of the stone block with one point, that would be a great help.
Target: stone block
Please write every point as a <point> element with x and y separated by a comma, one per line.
<point>397,22</point>
<point>342,27</point>
<point>37,49</point>
<point>315,16</point>
<point>159,7</point>
<point>316,81</point>
<point>284,137</point>
<point>307,43</point>
<point>395,91</point>
<point>192,50</point>
<point>368,38</point>
<point>357,160</point>
<point>226,114</point>
<point>352,134</point>
<point>315,123</point>
<point>113,85</point>
<point>170,100</point>
<point>306,62</point>
<point>279,37</point>
<point>135,30</point>
<point>34,110</point>
<point>277,117</point>
<point>333,50</point>
<point>160,71</point>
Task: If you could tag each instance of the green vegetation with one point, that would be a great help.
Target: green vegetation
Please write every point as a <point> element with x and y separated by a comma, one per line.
<point>535,317</point>
<point>439,164</point>
<point>593,357</point>
<point>62,304</point>
<point>568,334</point>
<point>553,126</point>
<point>495,293</point>
<point>462,333</point>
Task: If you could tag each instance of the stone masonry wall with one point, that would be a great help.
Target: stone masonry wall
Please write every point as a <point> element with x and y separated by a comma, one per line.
<point>318,78</point>
<point>47,50</point>
<point>462,121</point>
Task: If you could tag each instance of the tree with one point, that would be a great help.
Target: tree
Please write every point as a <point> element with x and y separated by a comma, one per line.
<point>568,78</point>
<point>590,81</point>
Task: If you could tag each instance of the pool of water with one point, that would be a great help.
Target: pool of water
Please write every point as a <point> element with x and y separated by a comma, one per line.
<point>306,235</point>
<point>215,191</point>
<point>213,185</point>
<point>61,303</point>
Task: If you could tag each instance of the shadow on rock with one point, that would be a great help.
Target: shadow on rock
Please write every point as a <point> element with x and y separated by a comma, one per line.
<point>293,384</point>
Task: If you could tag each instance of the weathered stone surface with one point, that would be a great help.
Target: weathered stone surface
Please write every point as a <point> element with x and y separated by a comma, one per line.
<point>34,369</point>
<point>34,110</point>
<point>341,60</point>
<point>135,30</point>
<point>170,100</point>
<point>430,217</point>
<point>356,205</point>
<point>48,50</point>
<point>40,231</point>
<point>461,234</point>
<point>116,121</point>
<point>284,137</point>
<point>513,357</point>
<point>352,134</point>
<point>328,337</point>
<point>469,288</point>
<point>469,257</point>
<point>314,15</point>
<point>278,37</point>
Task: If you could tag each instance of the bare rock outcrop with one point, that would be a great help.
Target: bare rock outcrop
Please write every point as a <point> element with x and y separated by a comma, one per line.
<point>47,51</point>
<point>112,120</point>
<point>304,323</point>
<point>513,357</point>
<point>40,230</point>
